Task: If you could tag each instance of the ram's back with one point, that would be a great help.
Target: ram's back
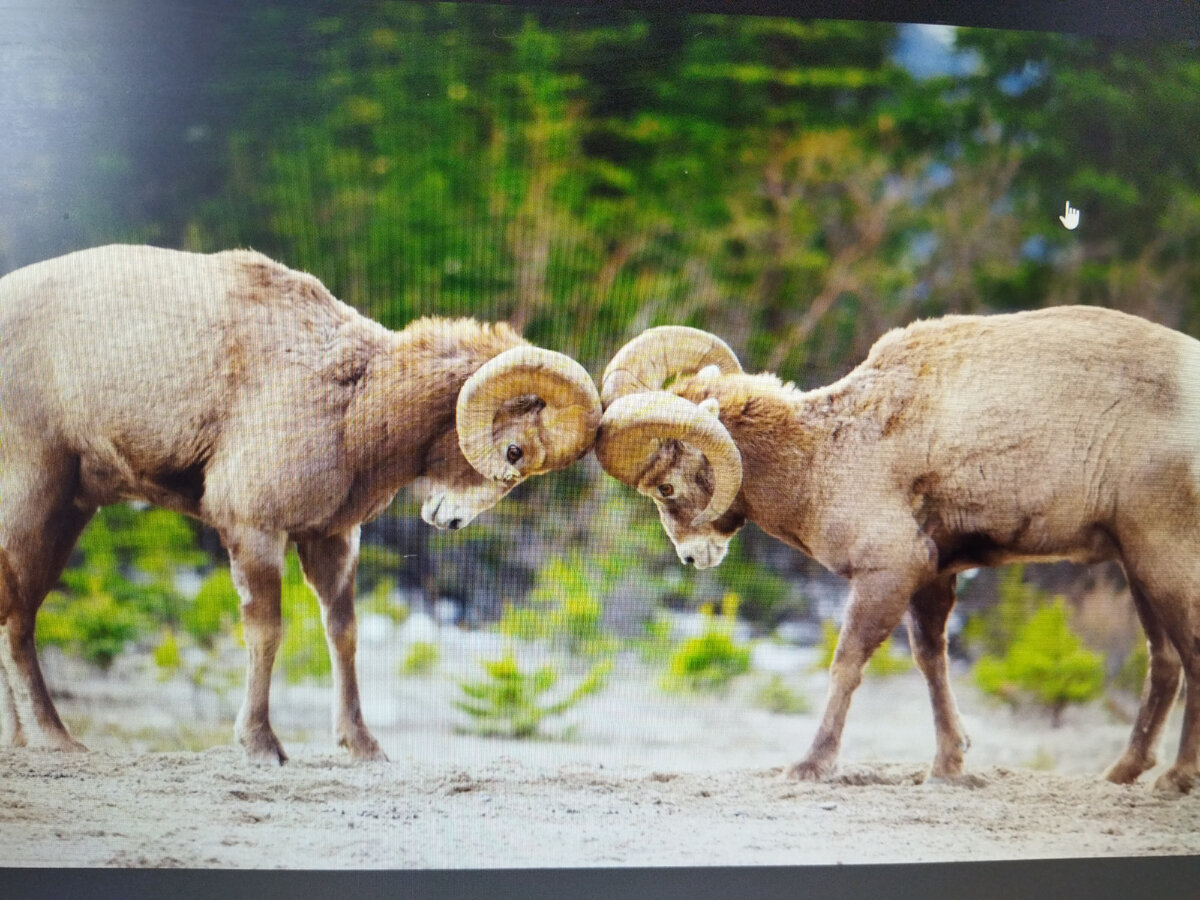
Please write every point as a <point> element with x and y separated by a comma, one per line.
<point>141,361</point>
<point>1042,430</point>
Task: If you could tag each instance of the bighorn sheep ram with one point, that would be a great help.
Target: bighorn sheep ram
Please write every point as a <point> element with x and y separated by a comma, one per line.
<point>241,393</point>
<point>1066,433</point>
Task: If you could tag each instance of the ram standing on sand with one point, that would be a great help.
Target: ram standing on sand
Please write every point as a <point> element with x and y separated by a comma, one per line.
<point>235,390</point>
<point>1066,433</point>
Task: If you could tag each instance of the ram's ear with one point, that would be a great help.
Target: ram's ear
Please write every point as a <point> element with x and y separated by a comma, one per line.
<point>710,405</point>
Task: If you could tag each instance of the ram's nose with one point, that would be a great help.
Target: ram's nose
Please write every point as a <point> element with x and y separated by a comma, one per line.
<point>701,553</point>
<point>442,512</point>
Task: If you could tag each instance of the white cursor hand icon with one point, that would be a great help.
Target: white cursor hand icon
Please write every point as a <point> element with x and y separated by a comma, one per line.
<point>1070,218</point>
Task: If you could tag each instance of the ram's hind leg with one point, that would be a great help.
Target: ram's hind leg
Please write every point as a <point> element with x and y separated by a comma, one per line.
<point>329,564</point>
<point>39,524</point>
<point>1165,584</point>
<point>928,611</point>
<point>1158,695</point>
<point>1182,624</point>
<point>11,733</point>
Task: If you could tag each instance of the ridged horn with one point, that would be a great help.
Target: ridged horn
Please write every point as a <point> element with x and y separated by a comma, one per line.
<point>647,361</point>
<point>634,426</point>
<point>572,412</point>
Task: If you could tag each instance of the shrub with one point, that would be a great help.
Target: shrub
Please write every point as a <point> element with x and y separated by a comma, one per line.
<point>303,652</point>
<point>93,625</point>
<point>121,587</point>
<point>421,659</point>
<point>883,662</point>
<point>1046,662</point>
<point>167,657</point>
<point>777,696</point>
<point>378,601</point>
<point>511,701</point>
<point>565,605</point>
<point>214,609</point>
<point>993,630</point>
<point>654,646</point>
<point>711,660</point>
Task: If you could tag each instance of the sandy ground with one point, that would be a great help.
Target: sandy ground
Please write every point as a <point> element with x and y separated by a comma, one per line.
<point>631,777</point>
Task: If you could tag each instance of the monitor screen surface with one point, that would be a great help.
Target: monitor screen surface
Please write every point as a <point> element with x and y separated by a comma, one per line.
<point>553,685</point>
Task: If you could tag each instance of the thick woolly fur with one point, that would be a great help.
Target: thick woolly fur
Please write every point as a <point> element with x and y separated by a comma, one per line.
<point>1067,433</point>
<point>235,390</point>
<point>225,386</point>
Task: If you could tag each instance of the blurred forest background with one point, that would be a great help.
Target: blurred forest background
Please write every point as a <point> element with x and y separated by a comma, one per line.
<point>797,187</point>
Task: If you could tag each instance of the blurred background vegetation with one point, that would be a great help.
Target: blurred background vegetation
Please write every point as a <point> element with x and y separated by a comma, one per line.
<point>797,187</point>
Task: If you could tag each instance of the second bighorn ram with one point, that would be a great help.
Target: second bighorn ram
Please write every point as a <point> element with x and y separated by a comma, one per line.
<point>242,393</point>
<point>1067,433</point>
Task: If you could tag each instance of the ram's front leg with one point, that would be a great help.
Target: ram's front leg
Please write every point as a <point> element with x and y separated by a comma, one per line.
<point>329,563</point>
<point>879,595</point>
<point>256,564</point>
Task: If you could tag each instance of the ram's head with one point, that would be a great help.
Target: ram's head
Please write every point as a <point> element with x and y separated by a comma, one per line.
<point>525,412</point>
<point>668,448</point>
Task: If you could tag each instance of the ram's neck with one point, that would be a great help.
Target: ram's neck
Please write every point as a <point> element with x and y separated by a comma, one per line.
<point>777,437</point>
<point>408,394</point>
<point>778,443</point>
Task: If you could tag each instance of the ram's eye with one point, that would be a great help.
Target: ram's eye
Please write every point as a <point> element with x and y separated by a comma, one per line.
<point>514,454</point>
<point>665,490</point>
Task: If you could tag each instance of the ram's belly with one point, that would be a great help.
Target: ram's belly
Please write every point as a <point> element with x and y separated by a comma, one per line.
<point>1007,530</point>
<point>106,476</point>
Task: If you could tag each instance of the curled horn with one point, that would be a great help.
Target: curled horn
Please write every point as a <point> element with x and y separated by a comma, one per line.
<point>572,412</point>
<point>635,425</point>
<point>647,361</point>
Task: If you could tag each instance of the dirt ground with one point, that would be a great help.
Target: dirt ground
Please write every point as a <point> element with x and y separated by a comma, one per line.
<point>631,777</point>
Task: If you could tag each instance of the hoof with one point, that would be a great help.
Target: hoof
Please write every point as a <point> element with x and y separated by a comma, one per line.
<point>364,748</point>
<point>1175,781</point>
<point>1126,771</point>
<point>11,735</point>
<point>263,749</point>
<point>808,770</point>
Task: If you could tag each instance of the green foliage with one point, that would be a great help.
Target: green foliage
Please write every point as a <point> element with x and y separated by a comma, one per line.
<point>762,592</point>
<point>654,646</point>
<point>1132,674</point>
<point>203,672</point>
<point>1046,662</point>
<point>883,662</point>
<point>94,626</point>
<point>167,657</point>
<point>153,541</point>
<point>378,564</point>
<point>421,658</point>
<point>378,601</point>
<point>121,590</point>
<point>993,630</point>
<point>303,653</point>
<point>514,702</point>
<point>565,605</point>
<point>777,696</point>
<point>214,609</point>
<point>709,661</point>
